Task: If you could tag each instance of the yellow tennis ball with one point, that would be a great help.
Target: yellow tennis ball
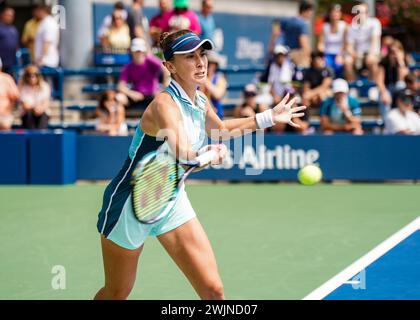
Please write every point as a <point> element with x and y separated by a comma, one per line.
<point>310,175</point>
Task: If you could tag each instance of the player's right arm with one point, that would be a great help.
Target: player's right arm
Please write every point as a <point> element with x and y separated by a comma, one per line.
<point>163,119</point>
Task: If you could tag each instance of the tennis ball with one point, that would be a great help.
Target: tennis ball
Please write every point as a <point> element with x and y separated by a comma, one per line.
<point>310,175</point>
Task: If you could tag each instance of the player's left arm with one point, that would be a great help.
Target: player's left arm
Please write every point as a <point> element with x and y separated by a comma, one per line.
<point>283,112</point>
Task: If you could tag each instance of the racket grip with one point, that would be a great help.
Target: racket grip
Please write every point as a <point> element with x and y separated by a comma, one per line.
<point>206,158</point>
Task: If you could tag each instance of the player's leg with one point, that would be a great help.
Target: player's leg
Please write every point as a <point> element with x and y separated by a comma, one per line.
<point>190,248</point>
<point>120,266</point>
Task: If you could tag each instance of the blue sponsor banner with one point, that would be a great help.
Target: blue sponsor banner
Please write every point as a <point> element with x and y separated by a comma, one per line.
<point>278,157</point>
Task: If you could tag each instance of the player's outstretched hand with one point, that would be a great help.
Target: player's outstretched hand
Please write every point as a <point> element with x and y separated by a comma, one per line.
<point>284,112</point>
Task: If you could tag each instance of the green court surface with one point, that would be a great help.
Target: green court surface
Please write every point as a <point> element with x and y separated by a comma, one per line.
<point>272,241</point>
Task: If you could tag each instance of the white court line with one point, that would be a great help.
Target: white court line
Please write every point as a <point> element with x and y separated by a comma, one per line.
<point>363,262</point>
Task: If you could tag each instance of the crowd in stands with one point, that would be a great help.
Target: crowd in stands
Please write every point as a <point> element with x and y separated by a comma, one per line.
<point>319,74</point>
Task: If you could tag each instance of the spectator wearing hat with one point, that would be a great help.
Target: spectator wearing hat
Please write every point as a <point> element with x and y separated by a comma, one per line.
<point>280,73</point>
<point>403,119</point>
<point>142,73</point>
<point>216,84</point>
<point>250,106</point>
<point>9,94</point>
<point>340,113</point>
<point>181,18</point>
<point>9,39</point>
<point>316,81</point>
<point>208,26</point>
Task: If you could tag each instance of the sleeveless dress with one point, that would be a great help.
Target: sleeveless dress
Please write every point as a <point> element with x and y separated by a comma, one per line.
<point>116,220</point>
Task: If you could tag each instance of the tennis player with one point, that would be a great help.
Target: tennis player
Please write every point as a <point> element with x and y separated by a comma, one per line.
<point>185,116</point>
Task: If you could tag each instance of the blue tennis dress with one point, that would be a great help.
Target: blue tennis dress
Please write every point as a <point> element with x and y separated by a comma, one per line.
<point>116,220</point>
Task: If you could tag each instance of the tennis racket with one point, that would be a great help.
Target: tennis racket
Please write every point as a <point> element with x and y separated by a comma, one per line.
<point>157,180</point>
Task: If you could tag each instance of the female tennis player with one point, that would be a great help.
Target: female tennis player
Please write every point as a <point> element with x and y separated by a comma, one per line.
<point>185,116</point>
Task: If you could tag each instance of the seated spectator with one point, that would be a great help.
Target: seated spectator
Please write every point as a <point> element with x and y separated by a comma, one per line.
<point>30,30</point>
<point>403,120</point>
<point>340,113</point>
<point>157,23</point>
<point>412,83</point>
<point>9,94</point>
<point>107,21</point>
<point>111,114</point>
<point>280,74</point>
<point>142,73</point>
<point>250,106</point>
<point>181,18</point>
<point>216,84</point>
<point>47,39</point>
<point>316,81</point>
<point>9,39</point>
<point>208,26</point>
<point>363,44</point>
<point>332,40</point>
<point>35,96</point>
<point>137,21</point>
<point>390,77</point>
<point>117,36</point>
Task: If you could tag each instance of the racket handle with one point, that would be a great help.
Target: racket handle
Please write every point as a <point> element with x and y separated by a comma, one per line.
<point>206,158</point>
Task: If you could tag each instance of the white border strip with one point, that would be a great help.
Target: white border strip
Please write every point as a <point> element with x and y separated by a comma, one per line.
<point>363,262</point>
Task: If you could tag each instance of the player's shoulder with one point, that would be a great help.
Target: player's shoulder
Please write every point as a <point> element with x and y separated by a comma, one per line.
<point>162,101</point>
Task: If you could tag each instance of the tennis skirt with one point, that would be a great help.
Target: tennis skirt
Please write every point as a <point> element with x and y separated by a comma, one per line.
<point>117,222</point>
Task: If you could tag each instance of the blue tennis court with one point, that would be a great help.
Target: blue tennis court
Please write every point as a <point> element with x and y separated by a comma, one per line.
<point>388,272</point>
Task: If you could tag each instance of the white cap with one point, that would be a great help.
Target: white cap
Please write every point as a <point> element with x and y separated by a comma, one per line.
<point>280,49</point>
<point>138,44</point>
<point>340,85</point>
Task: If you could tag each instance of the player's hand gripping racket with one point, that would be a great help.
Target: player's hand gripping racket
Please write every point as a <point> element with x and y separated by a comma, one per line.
<point>157,180</point>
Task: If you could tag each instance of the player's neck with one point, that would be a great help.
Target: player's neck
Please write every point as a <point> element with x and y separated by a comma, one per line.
<point>189,88</point>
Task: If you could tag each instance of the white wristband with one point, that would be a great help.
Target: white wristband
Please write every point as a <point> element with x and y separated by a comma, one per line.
<point>265,119</point>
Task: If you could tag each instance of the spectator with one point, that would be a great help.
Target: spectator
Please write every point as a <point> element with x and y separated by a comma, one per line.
<point>280,74</point>
<point>111,114</point>
<point>412,83</point>
<point>390,77</point>
<point>340,113</point>
<point>296,35</point>
<point>363,44</point>
<point>35,96</point>
<point>9,39</point>
<point>47,39</point>
<point>9,94</point>
<point>250,107</point>
<point>157,23</point>
<point>316,81</point>
<point>216,84</point>
<point>332,40</point>
<point>143,75</point>
<point>117,36</point>
<point>206,19</point>
<point>137,21</point>
<point>182,18</point>
<point>29,32</point>
<point>107,21</point>
<point>403,120</point>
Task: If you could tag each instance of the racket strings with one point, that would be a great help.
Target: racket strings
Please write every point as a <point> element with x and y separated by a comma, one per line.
<point>154,187</point>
